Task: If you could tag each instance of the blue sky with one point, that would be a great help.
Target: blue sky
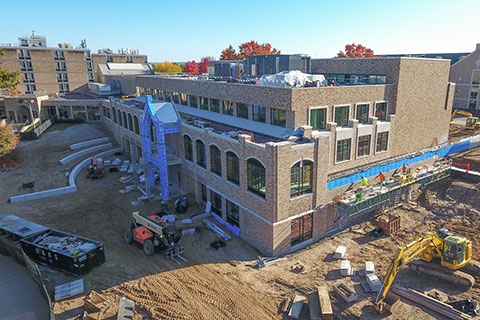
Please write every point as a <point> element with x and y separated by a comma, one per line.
<point>186,30</point>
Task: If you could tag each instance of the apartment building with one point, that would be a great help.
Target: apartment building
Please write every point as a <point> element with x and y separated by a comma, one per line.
<point>240,147</point>
<point>105,56</point>
<point>55,70</point>
<point>466,74</point>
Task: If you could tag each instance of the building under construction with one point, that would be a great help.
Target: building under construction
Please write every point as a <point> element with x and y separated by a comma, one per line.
<point>282,161</point>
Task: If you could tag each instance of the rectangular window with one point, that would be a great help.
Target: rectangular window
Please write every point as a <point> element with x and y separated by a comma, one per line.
<point>242,110</point>
<point>301,178</point>
<point>232,213</point>
<point>258,113</point>
<point>341,116</point>
<point>203,189</point>
<point>363,148</point>
<point>362,113</point>
<point>168,96</point>
<point>472,104</point>
<point>175,97</point>
<point>233,168</point>
<point>215,160</point>
<point>203,103</point>
<point>201,154</point>
<point>382,142</point>
<point>228,108</point>
<point>476,77</point>
<point>381,111</point>
<point>278,117</point>
<point>343,149</point>
<point>216,201</point>
<point>193,101</point>
<point>474,93</point>
<point>318,119</point>
<point>183,99</point>
<point>215,105</point>
<point>109,58</point>
<point>301,229</point>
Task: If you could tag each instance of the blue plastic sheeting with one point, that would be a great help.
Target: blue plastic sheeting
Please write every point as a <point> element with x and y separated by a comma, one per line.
<point>234,229</point>
<point>443,152</point>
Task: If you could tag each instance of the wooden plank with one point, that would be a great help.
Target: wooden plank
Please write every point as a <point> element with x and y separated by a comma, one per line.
<point>286,304</point>
<point>314,305</point>
<point>296,307</point>
<point>325,303</point>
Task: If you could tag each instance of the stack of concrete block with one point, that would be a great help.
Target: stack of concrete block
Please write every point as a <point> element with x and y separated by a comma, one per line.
<point>116,162</point>
<point>345,268</point>
<point>374,282</point>
<point>369,267</point>
<point>340,253</point>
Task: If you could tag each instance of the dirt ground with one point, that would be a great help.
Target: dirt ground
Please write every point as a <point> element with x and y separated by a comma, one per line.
<point>223,283</point>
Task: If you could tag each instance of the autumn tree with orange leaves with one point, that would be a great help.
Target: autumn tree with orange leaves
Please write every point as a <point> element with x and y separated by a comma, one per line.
<point>355,51</point>
<point>247,49</point>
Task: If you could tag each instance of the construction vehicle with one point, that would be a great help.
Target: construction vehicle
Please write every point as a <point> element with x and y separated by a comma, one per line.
<point>473,123</point>
<point>129,96</point>
<point>452,251</point>
<point>95,169</point>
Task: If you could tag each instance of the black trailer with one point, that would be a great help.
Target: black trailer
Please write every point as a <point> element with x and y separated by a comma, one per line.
<point>64,251</point>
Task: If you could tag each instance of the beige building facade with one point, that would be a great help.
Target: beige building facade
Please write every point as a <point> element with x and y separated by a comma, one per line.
<point>466,74</point>
<point>238,148</point>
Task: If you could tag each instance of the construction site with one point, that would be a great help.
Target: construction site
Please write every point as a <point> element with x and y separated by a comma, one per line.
<point>303,199</point>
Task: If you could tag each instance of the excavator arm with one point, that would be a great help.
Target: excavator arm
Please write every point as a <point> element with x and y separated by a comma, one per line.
<point>402,256</point>
<point>458,111</point>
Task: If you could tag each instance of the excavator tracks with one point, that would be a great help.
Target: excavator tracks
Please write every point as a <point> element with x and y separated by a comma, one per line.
<point>456,277</point>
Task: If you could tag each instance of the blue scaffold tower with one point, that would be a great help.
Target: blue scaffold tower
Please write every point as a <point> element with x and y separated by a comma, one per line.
<point>158,119</point>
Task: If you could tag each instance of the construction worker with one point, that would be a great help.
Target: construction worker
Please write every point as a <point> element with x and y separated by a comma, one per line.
<point>404,168</point>
<point>364,181</point>
<point>381,176</point>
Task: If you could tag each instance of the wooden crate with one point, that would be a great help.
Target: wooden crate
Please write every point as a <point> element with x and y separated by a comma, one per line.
<point>390,225</point>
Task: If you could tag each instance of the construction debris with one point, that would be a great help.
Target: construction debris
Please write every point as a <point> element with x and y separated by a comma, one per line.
<point>285,305</point>
<point>345,292</point>
<point>212,226</point>
<point>470,307</point>
<point>298,267</point>
<point>340,253</point>
<point>125,309</point>
<point>390,225</point>
<point>265,262</point>
<point>69,289</point>
<point>296,308</point>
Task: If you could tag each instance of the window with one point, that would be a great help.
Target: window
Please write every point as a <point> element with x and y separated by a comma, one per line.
<point>193,101</point>
<point>203,103</point>
<point>201,154</point>
<point>363,148</point>
<point>168,96</point>
<point>233,168</point>
<point>109,58</point>
<point>381,111</point>
<point>258,113</point>
<point>187,143</point>
<point>215,105</point>
<point>343,149</point>
<point>130,122</point>
<point>136,124</point>
<point>318,119</point>
<point>203,188</point>
<point>183,99</point>
<point>301,229</point>
<point>129,59</point>
<point>228,107</point>
<point>58,55</point>
<point>278,117</point>
<point>256,177</point>
<point>301,178</point>
<point>242,110</point>
<point>114,112</point>
<point>216,201</point>
<point>215,160</point>
<point>474,93</point>
<point>175,97</point>
<point>382,142</point>
<point>341,116</point>
<point>475,78</point>
<point>91,78</point>
<point>232,213</point>
<point>362,113</point>
<point>119,117</point>
<point>89,66</point>
<point>125,125</point>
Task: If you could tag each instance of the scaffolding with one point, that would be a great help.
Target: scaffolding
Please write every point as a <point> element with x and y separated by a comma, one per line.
<point>390,194</point>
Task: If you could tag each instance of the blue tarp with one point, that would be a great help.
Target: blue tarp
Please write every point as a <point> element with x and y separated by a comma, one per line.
<point>443,152</point>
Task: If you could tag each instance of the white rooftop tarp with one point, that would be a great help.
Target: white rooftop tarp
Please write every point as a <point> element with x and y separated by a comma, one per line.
<point>165,112</point>
<point>289,79</point>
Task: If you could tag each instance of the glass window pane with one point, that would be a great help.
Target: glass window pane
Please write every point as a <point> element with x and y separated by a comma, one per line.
<point>362,113</point>
<point>341,116</point>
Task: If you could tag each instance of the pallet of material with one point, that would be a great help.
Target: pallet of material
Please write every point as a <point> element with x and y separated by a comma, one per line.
<point>345,292</point>
<point>374,282</point>
<point>296,308</point>
<point>325,303</point>
<point>64,251</point>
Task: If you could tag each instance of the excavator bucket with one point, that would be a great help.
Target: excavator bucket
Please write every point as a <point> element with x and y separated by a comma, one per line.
<point>389,304</point>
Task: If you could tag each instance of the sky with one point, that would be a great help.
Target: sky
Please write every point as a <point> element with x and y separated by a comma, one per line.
<point>189,30</point>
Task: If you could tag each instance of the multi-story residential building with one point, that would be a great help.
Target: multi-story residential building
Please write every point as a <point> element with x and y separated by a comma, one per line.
<point>50,69</point>
<point>105,56</point>
<point>237,146</point>
<point>466,74</point>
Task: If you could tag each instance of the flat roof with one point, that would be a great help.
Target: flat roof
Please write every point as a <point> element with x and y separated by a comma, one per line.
<point>44,48</point>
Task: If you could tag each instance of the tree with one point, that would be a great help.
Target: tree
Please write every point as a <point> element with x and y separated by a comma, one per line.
<point>167,67</point>
<point>8,141</point>
<point>246,49</point>
<point>191,68</point>
<point>8,80</point>
<point>203,65</point>
<point>355,51</point>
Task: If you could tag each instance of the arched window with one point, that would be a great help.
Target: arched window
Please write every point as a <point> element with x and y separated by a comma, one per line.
<point>215,160</point>
<point>137,126</point>
<point>114,111</point>
<point>301,178</point>
<point>233,168</point>
<point>153,133</point>
<point>119,117</point>
<point>187,144</point>
<point>124,120</point>
<point>201,157</point>
<point>256,177</point>
<point>130,122</point>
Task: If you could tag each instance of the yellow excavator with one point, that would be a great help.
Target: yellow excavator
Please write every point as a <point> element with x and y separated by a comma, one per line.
<point>473,123</point>
<point>451,250</point>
